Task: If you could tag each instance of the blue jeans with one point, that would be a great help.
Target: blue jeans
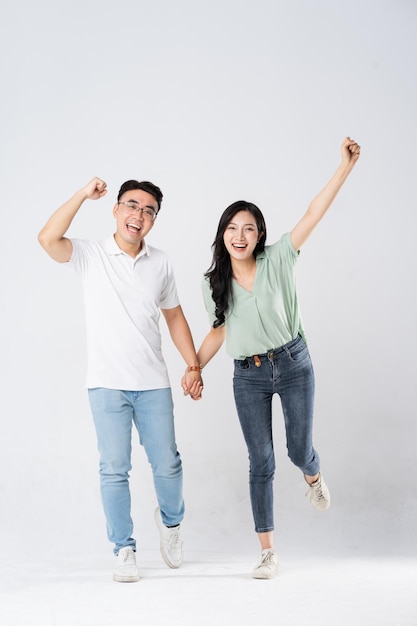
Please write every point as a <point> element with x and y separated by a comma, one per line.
<point>152,414</point>
<point>287,371</point>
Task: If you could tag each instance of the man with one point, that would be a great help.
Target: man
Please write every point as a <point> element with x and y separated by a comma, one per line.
<point>126,285</point>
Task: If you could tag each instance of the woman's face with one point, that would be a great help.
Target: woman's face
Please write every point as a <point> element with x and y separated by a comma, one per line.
<point>241,236</point>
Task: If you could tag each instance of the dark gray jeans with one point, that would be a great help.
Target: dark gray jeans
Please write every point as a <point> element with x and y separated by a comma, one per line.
<point>287,371</point>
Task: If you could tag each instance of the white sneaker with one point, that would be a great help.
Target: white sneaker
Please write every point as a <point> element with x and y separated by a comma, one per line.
<point>170,542</point>
<point>267,566</point>
<point>319,494</point>
<point>126,570</point>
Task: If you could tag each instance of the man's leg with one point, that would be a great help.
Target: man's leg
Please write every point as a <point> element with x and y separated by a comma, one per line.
<point>154,420</point>
<point>112,412</point>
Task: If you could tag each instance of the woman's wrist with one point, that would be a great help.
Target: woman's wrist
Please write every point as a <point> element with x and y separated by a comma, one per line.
<point>194,368</point>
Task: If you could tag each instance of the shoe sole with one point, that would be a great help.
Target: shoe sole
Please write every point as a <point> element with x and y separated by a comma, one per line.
<point>264,577</point>
<point>322,509</point>
<point>158,521</point>
<point>126,579</point>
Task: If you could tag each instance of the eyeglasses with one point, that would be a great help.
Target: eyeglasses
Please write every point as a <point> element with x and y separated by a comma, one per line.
<point>147,212</point>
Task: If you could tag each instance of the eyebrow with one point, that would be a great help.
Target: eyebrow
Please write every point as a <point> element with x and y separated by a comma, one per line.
<point>247,224</point>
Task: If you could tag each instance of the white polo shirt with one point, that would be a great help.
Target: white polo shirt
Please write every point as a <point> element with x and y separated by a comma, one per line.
<point>123,297</point>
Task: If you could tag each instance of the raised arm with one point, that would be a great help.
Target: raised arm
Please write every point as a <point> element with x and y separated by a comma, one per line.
<point>319,206</point>
<point>51,237</point>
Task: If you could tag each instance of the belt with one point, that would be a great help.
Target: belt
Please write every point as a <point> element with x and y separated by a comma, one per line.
<point>257,357</point>
<point>271,353</point>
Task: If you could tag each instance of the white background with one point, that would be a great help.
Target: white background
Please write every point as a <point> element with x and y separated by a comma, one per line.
<point>214,102</point>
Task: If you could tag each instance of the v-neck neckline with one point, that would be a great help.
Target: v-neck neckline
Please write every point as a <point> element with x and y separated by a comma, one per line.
<point>250,292</point>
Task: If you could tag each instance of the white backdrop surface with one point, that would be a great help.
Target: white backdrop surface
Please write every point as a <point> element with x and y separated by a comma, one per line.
<point>213,101</point>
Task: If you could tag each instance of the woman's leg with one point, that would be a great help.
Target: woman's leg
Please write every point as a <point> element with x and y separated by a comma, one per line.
<point>296,388</point>
<point>253,398</point>
<point>295,385</point>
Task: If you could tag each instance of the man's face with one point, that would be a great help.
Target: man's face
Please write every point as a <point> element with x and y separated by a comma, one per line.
<point>133,214</point>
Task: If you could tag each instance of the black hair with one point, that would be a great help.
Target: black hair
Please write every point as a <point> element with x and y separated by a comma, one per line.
<point>145,185</point>
<point>220,270</point>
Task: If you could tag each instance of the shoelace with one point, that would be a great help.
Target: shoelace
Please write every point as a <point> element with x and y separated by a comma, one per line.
<point>316,491</point>
<point>267,559</point>
<point>126,556</point>
<point>174,537</point>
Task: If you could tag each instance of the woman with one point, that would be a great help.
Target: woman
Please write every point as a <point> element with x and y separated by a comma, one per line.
<point>251,298</point>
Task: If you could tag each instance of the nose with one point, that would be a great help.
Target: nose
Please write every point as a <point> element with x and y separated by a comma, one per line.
<point>138,210</point>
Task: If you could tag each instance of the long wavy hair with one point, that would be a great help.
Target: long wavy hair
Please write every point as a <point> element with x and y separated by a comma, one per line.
<point>219,273</point>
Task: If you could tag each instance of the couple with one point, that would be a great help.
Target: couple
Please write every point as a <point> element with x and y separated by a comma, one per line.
<point>250,295</point>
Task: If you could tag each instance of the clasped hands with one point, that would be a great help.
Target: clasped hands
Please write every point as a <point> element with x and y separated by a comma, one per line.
<point>192,385</point>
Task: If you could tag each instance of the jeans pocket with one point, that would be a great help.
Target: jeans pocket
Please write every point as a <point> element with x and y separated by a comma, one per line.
<point>297,352</point>
<point>242,365</point>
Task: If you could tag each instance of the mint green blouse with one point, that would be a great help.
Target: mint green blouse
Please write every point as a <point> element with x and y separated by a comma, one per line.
<point>269,315</point>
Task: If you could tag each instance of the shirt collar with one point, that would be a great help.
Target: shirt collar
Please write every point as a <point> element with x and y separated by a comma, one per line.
<point>112,248</point>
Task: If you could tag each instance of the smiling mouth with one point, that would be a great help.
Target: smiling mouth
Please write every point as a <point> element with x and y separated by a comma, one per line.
<point>239,246</point>
<point>133,228</point>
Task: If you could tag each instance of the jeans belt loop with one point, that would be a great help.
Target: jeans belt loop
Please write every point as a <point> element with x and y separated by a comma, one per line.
<point>257,360</point>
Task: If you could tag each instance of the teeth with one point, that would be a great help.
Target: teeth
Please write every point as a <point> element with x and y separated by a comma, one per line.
<point>133,226</point>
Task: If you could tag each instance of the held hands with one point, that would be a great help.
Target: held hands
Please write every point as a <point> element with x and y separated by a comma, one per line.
<point>350,151</point>
<point>192,385</point>
<point>95,189</point>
